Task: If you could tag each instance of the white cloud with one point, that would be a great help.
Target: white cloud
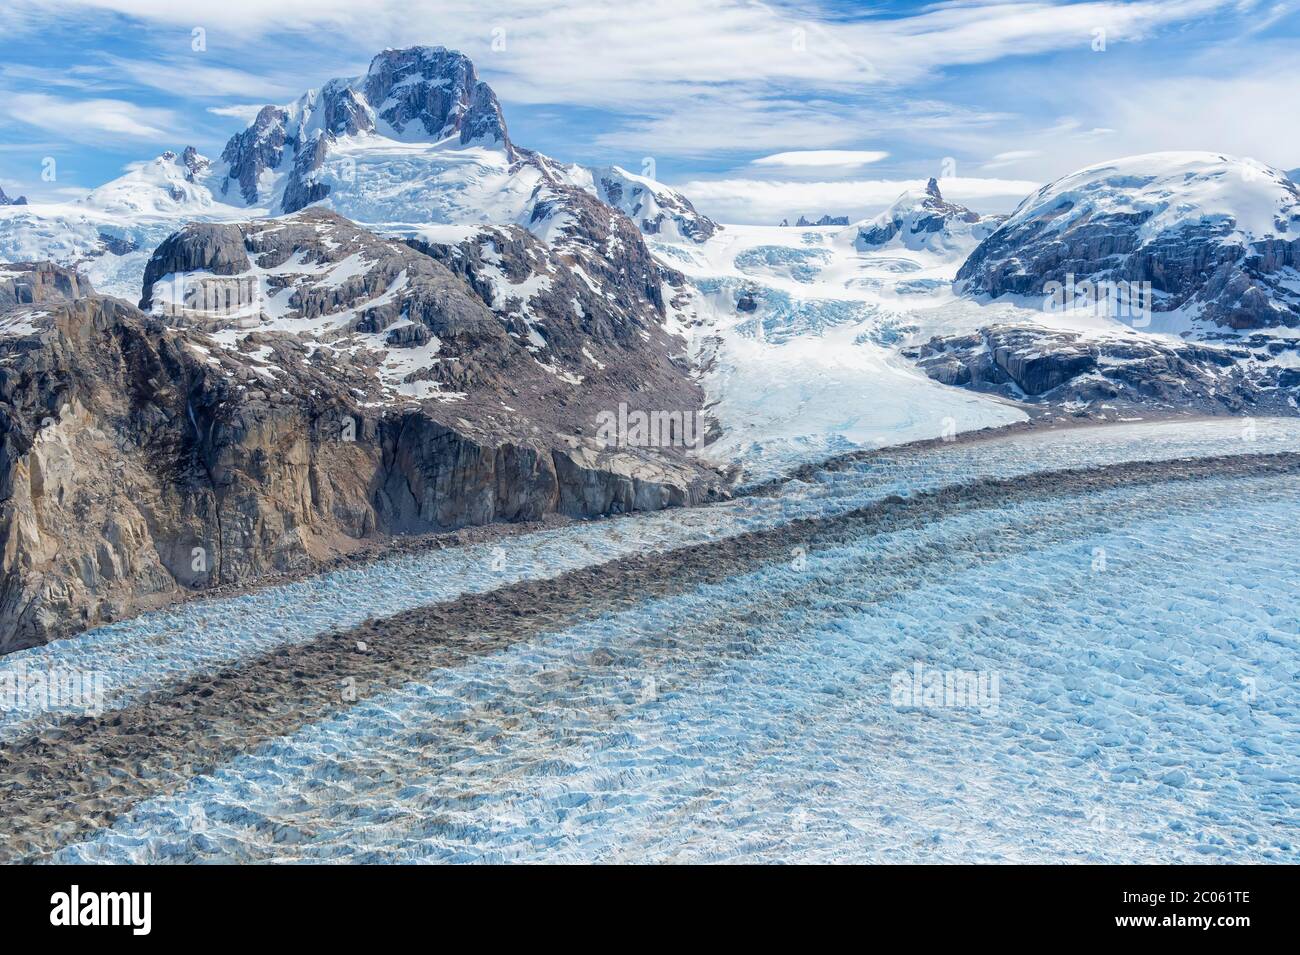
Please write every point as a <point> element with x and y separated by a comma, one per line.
<point>195,78</point>
<point>1236,114</point>
<point>88,120</point>
<point>738,122</point>
<point>821,158</point>
<point>1010,158</point>
<point>694,78</point>
<point>244,112</point>
<point>1124,111</point>
<point>733,122</point>
<point>767,202</point>
<point>600,53</point>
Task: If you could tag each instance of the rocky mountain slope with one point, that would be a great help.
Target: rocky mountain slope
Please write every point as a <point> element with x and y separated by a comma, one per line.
<point>1077,370</point>
<point>289,387</point>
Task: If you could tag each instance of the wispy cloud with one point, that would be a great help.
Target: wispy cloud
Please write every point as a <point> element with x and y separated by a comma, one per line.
<point>600,53</point>
<point>1010,158</point>
<point>88,120</point>
<point>821,158</point>
<point>1125,110</point>
<point>245,112</point>
<point>195,78</point>
<point>78,77</point>
<point>694,81</point>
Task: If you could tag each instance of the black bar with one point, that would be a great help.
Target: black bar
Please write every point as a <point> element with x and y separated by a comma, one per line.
<point>298,904</point>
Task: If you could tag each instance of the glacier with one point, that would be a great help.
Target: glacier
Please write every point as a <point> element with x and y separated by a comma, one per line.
<point>136,656</point>
<point>1143,638</point>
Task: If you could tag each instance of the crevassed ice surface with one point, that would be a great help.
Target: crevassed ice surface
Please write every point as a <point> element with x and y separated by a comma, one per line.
<point>1143,641</point>
<point>144,653</point>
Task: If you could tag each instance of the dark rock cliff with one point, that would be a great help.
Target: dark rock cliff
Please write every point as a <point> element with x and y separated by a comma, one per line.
<point>146,456</point>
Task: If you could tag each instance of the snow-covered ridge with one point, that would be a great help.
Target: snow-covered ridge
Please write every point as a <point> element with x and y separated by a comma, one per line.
<point>1170,190</point>
<point>656,209</point>
<point>1217,237</point>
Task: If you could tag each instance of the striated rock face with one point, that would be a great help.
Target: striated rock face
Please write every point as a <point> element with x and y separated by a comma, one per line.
<point>32,283</point>
<point>1068,368</point>
<point>255,150</point>
<point>437,90</point>
<point>295,386</point>
<point>1218,238</point>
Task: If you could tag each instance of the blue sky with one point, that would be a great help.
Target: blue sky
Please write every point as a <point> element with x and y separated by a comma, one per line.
<point>849,98</point>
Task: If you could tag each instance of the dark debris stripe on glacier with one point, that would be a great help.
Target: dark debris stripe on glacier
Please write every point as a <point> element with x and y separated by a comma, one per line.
<point>62,783</point>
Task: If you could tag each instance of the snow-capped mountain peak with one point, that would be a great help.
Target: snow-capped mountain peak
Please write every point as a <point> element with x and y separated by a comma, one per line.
<point>168,184</point>
<point>923,219</point>
<point>438,91</point>
<point>656,209</point>
<point>1171,189</point>
<point>416,144</point>
<point>420,95</point>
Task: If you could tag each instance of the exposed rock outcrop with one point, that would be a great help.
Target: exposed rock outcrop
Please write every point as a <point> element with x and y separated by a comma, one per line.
<point>805,222</point>
<point>656,209</point>
<point>252,152</point>
<point>7,201</point>
<point>209,246</point>
<point>436,88</point>
<point>1070,369</point>
<point>33,283</point>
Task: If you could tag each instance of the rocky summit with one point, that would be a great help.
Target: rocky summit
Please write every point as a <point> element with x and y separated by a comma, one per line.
<point>427,93</point>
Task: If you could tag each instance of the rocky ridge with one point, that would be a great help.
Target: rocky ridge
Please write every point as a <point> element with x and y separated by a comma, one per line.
<point>291,387</point>
<point>1072,370</point>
